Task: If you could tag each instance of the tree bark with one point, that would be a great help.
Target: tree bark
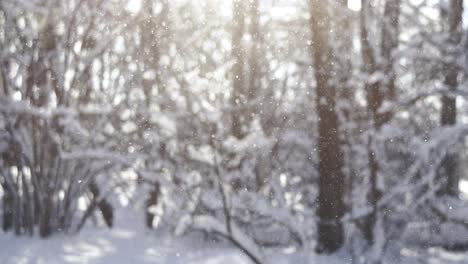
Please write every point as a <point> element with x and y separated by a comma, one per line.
<point>378,92</point>
<point>448,115</point>
<point>152,200</point>
<point>238,82</point>
<point>254,65</point>
<point>104,206</point>
<point>331,182</point>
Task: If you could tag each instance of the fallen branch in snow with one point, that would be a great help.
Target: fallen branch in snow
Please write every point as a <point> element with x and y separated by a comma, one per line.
<point>236,236</point>
<point>446,217</point>
<point>228,230</point>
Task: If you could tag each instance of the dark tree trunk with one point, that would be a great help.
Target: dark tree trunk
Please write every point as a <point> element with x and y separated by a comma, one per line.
<point>104,206</point>
<point>151,201</point>
<point>448,115</point>
<point>45,229</point>
<point>377,92</point>
<point>343,34</point>
<point>238,82</point>
<point>374,100</point>
<point>8,203</point>
<point>331,186</point>
<point>254,65</point>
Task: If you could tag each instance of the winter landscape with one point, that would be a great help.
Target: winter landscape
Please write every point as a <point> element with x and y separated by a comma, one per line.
<point>234,131</point>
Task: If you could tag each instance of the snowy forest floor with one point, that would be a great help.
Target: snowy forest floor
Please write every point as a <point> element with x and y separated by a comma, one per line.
<point>128,242</point>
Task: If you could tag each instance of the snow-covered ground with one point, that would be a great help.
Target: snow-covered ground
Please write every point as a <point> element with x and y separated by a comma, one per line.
<point>122,245</point>
<point>128,242</point>
<point>115,246</point>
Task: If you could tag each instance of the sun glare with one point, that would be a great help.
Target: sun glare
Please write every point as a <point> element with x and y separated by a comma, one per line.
<point>134,5</point>
<point>354,5</point>
<point>463,186</point>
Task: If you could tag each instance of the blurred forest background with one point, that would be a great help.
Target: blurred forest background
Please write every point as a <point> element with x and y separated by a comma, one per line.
<point>313,124</point>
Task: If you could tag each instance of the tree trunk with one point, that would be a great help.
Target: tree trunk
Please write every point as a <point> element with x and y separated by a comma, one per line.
<point>377,92</point>
<point>152,200</point>
<point>104,206</point>
<point>8,207</point>
<point>238,83</point>
<point>448,115</point>
<point>254,65</point>
<point>331,182</point>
